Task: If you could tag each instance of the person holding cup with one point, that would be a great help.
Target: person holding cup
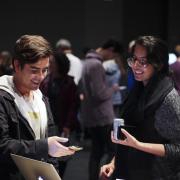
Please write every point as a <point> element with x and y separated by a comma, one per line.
<point>151,150</point>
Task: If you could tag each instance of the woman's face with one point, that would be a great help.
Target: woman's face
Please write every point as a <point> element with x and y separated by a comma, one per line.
<point>140,67</point>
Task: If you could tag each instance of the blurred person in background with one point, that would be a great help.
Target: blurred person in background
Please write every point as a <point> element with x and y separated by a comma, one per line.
<point>64,46</point>
<point>96,105</point>
<point>113,76</point>
<point>6,63</point>
<point>175,67</point>
<point>61,90</point>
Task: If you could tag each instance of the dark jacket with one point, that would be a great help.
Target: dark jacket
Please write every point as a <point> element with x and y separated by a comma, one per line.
<point>154,110</point>
<point>63,99</point>
<point>17,137</point>
<point>96,108</point>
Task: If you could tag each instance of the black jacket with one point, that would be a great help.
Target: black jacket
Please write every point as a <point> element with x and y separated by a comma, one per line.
<point>154,111</point>
<point>16,136</point>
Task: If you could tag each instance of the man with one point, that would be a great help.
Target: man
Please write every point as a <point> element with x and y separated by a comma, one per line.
<point>64,46</point>
<point>96,108</point>
<point>25,117</point>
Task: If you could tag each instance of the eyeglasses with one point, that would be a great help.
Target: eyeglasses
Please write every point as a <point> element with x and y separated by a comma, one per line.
<point>142,62</point>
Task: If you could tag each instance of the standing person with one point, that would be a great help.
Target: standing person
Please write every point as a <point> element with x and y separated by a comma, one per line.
<point>96,107</point>
<point>61,90</point>
<point>75,70</point>
<point>175,67</point>
<point>5,63</point>
<point>152,149</point>
<point>113,76</point>
<point>26,123</point>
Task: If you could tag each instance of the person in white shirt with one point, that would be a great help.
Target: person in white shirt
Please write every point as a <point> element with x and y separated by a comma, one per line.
<point>63,45</point>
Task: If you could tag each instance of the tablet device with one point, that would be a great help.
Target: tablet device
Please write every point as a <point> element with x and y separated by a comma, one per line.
<point>35,170</point>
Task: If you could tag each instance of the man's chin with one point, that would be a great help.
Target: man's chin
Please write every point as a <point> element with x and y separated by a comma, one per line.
<point>35,87</point>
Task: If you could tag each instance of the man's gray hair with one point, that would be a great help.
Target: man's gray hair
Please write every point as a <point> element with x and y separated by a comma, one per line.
<point>63,43</point>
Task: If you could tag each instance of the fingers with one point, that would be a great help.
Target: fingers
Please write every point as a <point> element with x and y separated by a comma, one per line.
<point>103,175</point>
<point>125,132</point>
<point>106,171</point>
<point>128,136</point>
<point>56,149</point>
<point>110,171</point>
<point>63,148</point>
<point>61,139</point>
<point>63,151</point>
<point>120,141</point>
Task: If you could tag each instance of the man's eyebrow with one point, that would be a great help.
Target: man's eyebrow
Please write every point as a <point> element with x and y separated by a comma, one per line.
<point>140,57</point>
<point>34,67</point>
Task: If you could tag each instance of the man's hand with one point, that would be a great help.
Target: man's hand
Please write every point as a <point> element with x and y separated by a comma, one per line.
<point>56,149</point>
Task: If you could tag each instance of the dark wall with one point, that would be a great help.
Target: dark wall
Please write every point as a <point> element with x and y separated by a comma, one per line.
<point>88,22</point>
<point>83,22</point>
<point>173,23</point>
<point>145,18</point>
<point>103,19</point>
<point>53,19</point>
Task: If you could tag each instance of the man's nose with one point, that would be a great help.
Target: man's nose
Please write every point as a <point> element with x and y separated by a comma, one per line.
<point>42,75</point>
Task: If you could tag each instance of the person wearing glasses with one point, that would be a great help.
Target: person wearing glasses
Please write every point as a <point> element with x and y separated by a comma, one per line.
<point>151,150</point>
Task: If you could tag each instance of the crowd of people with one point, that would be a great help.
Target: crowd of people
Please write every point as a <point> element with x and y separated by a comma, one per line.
<point>46,95</point>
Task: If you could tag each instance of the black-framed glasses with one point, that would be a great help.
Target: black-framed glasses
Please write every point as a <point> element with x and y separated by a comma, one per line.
<point>142,62</point>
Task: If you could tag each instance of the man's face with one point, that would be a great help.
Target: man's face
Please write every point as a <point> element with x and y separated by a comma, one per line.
<point>31,75</point>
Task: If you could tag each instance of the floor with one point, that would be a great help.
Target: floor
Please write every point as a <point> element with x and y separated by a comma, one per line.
<point>77,167</point>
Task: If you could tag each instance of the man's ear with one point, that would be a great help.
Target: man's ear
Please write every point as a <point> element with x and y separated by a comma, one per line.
<point>16,65</point>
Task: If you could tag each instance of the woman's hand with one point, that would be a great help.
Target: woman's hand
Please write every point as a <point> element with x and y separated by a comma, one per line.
<point>152,148</point>
<point>106,171</point>
<point>128,141</point>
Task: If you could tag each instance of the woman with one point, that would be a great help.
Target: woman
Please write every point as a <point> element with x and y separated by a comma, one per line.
<point>152,150</point>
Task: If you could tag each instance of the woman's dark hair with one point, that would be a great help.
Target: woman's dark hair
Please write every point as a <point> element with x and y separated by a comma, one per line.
<point>157,52</point>
<point>62,63</point>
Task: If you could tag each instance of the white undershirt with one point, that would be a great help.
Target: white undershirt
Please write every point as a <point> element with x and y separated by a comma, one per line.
<point>30,109</point>
<point>33,109</point>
